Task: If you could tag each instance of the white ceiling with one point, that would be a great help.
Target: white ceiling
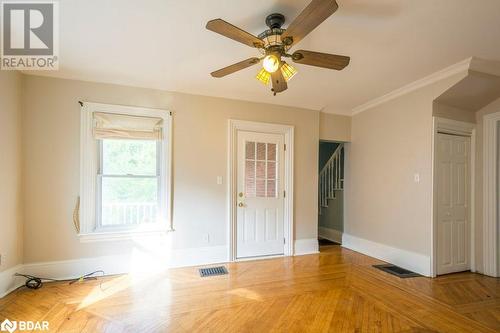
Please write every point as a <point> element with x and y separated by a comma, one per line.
<point>163,44</point>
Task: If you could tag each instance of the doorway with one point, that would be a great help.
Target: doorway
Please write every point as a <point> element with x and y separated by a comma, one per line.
<point>331,192</point>
<point>261,190</point>
<point>453,203</point>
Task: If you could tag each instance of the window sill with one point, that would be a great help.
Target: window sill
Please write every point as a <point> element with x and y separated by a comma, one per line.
<point>111,236</point>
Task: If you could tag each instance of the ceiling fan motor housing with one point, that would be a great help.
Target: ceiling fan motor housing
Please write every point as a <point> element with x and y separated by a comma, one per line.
<point>272,36</point>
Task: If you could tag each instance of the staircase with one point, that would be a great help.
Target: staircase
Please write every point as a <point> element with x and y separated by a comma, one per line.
<point>331,177</point>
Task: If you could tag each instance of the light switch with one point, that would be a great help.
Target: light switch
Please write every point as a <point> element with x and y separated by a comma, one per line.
<point>219,180</point>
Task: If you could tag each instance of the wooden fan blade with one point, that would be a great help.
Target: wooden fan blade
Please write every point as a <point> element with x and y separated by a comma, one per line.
<point>235,67</point>
<point>279,82</point>
<point>312,16</point>
<point>230,31</point>
<point>319,59</point>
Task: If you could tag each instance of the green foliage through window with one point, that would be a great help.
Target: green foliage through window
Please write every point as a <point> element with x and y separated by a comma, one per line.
<point>129,157</point>
<point>129,182</point>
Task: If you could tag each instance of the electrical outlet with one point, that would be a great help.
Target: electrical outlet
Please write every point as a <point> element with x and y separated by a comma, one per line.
<point>219,180</point>
<point>206,238</point>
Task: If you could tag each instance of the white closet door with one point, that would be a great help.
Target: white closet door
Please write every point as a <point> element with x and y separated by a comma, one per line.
<point>453,171</point>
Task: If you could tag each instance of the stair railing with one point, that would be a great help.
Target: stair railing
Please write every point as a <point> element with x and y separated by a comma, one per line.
<point>331,177</point>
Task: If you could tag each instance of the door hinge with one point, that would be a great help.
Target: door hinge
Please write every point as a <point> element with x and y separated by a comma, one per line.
<point>284,240</point>
<point>284,146</point>
<point>284,194</point>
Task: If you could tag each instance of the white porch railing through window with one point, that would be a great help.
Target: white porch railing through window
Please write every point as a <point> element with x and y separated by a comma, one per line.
<point>129,213</point>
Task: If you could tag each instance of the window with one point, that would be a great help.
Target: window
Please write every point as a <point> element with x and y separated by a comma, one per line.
<point>260,170</point>
<point>125,171</point>
<point>128,183</point>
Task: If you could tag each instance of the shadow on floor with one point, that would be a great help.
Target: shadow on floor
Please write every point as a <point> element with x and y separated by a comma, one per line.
<point>326,242</point>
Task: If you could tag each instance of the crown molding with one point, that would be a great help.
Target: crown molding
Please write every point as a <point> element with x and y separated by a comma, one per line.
<point>459,67</point>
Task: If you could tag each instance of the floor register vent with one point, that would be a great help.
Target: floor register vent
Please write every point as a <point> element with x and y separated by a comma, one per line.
<point>398,271</point>
<point>213,271</point>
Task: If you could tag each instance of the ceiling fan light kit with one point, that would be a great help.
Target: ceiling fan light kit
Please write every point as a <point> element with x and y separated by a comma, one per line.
<point>288,71</point>
<point>271,63</point>
<point>275,42</point>
<point>263,76</point>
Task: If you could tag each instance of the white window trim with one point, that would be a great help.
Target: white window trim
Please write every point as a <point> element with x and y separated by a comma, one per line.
<point>89,163</point>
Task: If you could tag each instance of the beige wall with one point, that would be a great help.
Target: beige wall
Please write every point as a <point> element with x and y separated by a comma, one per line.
<point>51,163</point>
<point>454,113</point>
<point>10,169</point>
<point>334,127</point>
<point>389,144</point>
<point>491,108</point>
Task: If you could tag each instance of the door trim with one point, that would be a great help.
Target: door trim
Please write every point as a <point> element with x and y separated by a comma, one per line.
<point>491,227</point>
<point>454,127</point>
<point>288,133</point>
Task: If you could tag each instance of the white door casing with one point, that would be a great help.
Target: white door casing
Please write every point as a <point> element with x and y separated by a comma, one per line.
<point>453,203</point>
<point>260,202</point>
<point>491,202</point>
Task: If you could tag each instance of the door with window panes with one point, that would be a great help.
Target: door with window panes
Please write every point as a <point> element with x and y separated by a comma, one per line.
<point>259,226</point>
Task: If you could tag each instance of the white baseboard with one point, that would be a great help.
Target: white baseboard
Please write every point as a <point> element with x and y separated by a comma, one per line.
<point>198,256</point>
<point>70,269</point>
<point>9,282</point>
<point>412,261</point>
<point>330,234</point>
<point>306,246</point>
<point>135,263</point>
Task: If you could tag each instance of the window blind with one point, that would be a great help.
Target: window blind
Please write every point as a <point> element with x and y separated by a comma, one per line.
<point>120,126</point>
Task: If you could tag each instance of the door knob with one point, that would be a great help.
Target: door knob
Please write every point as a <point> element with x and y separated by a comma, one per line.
<point>241,204</point>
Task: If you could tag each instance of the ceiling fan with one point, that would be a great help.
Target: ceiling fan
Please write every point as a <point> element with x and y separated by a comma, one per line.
<point>274,45</point>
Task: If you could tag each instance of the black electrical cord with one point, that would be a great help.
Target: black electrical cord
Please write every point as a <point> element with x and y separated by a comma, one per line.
<point>88,276</point>
<point>35,282</point>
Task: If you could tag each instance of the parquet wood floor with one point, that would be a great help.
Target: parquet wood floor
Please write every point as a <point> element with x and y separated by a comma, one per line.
<point>334,291</point>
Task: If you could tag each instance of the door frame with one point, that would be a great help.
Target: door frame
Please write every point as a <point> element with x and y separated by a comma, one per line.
<point>491,223</point>
<point>288,133</point>
<point>453,127</point>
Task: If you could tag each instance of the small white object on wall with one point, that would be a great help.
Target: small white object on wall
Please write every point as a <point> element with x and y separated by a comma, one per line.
<point>416,178</point>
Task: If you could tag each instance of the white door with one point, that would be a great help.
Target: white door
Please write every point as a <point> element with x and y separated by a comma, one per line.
<point>453,160</point>
<point>259,225</point>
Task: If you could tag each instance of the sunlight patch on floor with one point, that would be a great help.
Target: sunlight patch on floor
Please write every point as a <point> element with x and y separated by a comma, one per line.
<point>245,293</point>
